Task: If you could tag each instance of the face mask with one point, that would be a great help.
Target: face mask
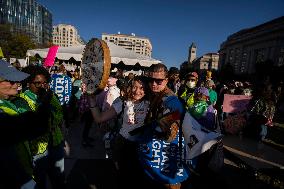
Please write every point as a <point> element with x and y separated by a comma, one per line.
<point>190,84</point>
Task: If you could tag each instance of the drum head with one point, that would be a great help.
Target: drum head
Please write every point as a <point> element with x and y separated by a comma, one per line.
<point>96,64</point>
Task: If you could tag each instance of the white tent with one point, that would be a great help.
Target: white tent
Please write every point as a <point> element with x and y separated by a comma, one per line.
<point>117,54</point>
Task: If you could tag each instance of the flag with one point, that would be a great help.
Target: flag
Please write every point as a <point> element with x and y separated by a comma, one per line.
<point>197,138</point>
<point>49,60</point>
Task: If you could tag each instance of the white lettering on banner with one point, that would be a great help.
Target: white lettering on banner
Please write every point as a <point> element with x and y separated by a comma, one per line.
<point>179,165</point>
<point>165,144</point>
<point>163,152</point>
<point>67,98</point>
<point>60,96</point>
<point>156,144</point>
<point>60,80</point>
<point>180,170</point>
<point>164,158</point>
<point>156,159</point>
<point>66,86</point>
<point>166,149</point>
<point>59,89</point>
<point>166,168</point>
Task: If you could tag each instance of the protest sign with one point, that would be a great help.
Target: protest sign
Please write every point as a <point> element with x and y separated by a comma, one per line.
<point>235,103</point>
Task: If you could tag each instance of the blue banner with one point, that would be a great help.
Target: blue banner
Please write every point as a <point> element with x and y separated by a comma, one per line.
<point>62,86</point>
<point>163,161</point>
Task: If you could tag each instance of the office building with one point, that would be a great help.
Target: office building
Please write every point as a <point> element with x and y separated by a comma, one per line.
<point>247,47</point>
<point>140,45</point>
<point>29,17</point>
<point>66,35</point>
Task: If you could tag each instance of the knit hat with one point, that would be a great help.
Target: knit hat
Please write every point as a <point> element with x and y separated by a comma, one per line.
<point>202,90</point>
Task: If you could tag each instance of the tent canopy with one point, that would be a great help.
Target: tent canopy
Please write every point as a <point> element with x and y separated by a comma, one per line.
<point>118,54</point>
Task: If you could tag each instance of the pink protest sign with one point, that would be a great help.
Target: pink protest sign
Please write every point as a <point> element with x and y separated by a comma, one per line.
<point>235,103</point>
<point>49,60</point>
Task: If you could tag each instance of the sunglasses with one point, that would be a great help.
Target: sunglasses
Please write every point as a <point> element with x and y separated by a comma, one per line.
<point>156,80</point>
<point>39,84</point>
<point>11,82</point>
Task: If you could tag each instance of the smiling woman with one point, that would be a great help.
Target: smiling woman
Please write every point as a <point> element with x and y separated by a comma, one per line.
<point>133,111</point>
<point>16,129</point>
<point>9,77</point>
<point>7,89</point>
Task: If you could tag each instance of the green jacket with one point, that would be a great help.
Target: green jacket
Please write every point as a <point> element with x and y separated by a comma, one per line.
<point>212,96</point>
<point>22,149</point>
<point>54,137</point>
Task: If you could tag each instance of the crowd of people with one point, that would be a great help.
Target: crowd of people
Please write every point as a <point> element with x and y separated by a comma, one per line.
<point>141,115</point>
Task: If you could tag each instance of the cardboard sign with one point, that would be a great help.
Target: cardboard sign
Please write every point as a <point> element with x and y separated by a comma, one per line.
<point>235,103</point>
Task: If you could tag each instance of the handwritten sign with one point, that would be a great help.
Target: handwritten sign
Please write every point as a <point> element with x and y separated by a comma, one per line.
<point>49,60</point>
<point>235,103</point>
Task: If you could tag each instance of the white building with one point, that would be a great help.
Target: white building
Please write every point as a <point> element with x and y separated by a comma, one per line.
<point>66,35</point>
<point>140,45</point>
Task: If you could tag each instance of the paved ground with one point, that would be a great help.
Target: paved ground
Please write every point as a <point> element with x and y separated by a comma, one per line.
<point>88,168</point>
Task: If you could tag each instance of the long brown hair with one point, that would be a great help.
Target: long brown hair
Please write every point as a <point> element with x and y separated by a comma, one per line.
<point>141,80</point>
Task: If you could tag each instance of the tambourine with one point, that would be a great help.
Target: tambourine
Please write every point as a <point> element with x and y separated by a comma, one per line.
<point>96,64</point>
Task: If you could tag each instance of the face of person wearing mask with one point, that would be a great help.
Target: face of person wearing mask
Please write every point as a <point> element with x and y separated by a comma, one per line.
<point>191,82</point>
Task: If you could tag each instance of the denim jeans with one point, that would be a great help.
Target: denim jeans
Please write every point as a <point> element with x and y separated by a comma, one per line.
<point>263,132</point>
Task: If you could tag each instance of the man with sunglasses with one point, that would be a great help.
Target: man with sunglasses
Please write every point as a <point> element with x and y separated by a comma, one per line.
<point>160,156</point>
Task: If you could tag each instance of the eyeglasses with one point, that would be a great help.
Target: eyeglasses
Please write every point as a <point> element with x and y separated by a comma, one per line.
<point>156,80</point>
<point>39,84</point>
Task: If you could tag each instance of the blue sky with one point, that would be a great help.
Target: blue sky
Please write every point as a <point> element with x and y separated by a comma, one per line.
<point>171,25</point>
